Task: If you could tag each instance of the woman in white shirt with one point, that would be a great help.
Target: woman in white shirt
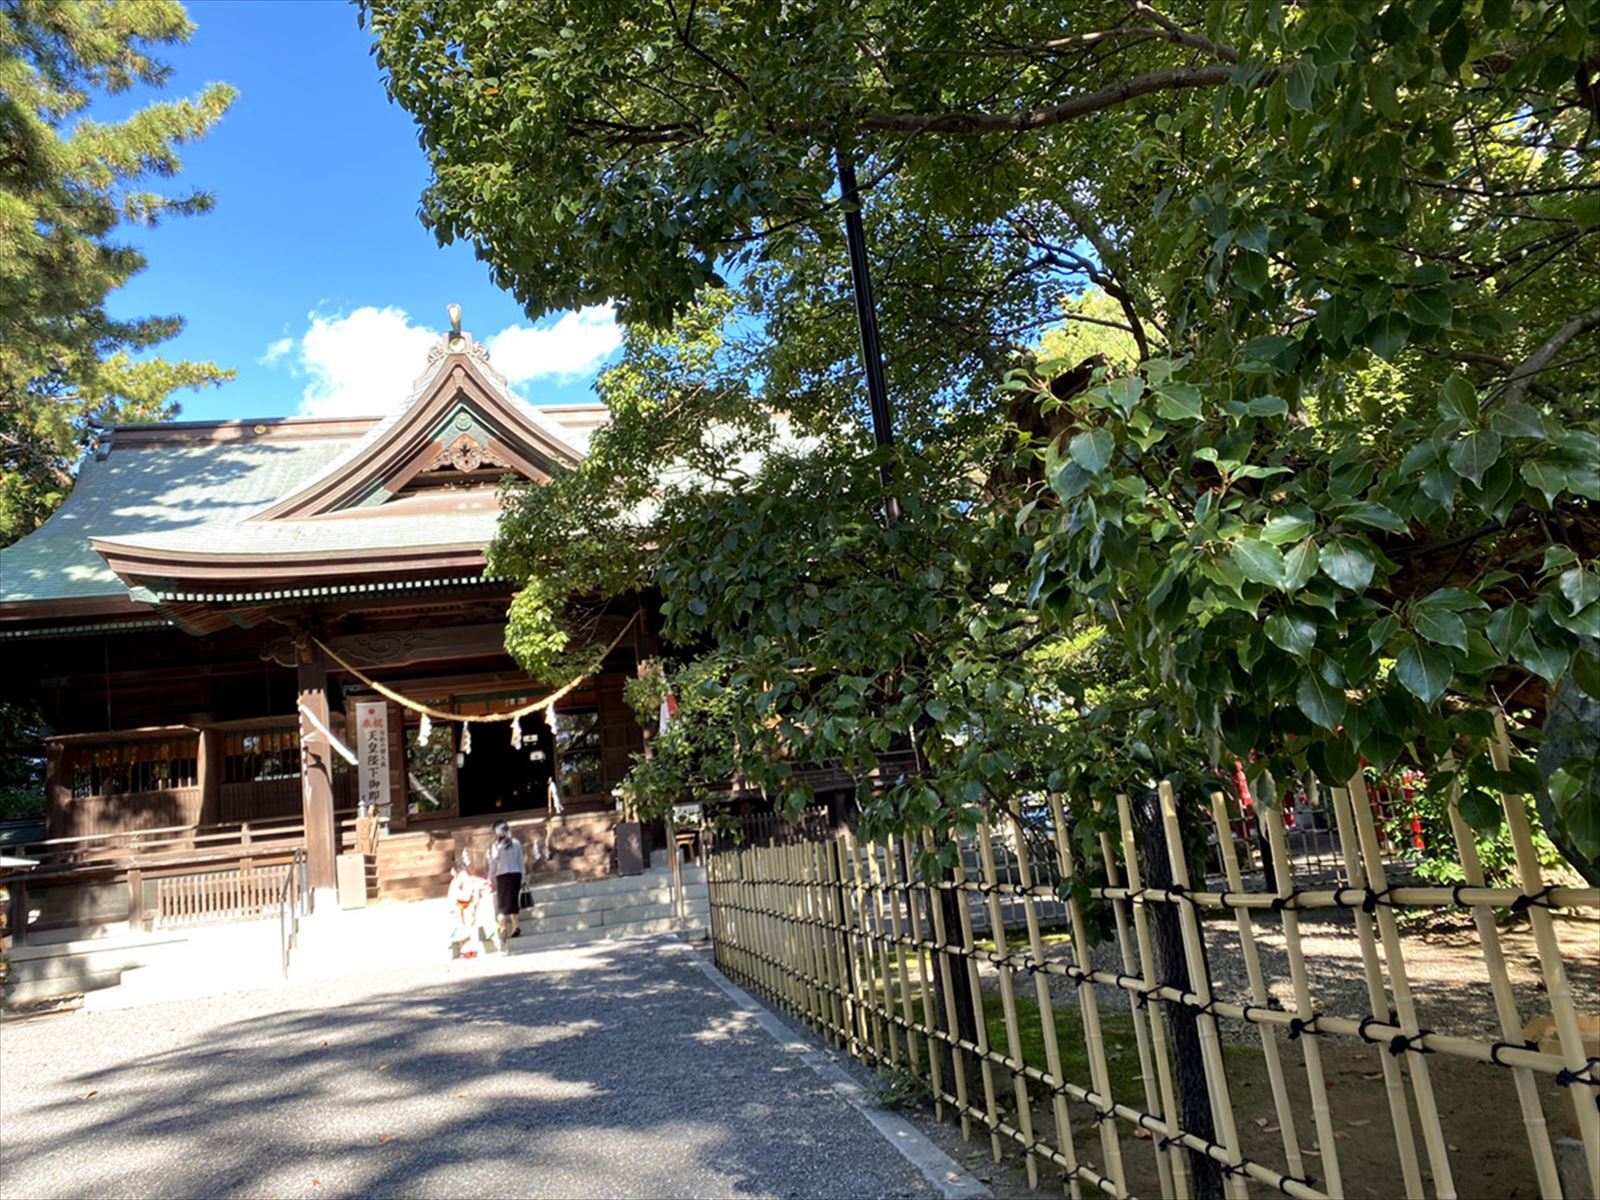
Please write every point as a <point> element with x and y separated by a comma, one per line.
<point>505,869</point>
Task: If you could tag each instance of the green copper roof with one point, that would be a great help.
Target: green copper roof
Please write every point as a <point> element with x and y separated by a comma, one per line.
<point>163,490</point>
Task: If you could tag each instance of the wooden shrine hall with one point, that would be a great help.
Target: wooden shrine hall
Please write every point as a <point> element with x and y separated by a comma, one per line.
<point>203,621</point>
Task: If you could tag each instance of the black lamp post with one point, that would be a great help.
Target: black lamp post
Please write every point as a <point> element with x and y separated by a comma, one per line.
<point>867,321</point>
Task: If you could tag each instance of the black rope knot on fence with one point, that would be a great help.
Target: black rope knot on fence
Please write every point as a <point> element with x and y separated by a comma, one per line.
<point>1539,899</point>
<point>1292,900</point>
<point>1400,1043</point>
<point>1566,1077</point>
<point>1494,1050</point>
<point>1370,1019</point>
<point>1298,1026</point>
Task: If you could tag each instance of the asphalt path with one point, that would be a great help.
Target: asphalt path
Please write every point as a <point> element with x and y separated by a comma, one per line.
<point>616,1069</point>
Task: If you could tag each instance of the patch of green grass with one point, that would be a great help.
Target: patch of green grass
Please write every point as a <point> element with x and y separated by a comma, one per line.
<point>1116,1029</point>
<point>1018,939</point>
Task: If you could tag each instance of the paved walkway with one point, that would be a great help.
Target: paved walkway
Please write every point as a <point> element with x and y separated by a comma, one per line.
<point>614,1069</point>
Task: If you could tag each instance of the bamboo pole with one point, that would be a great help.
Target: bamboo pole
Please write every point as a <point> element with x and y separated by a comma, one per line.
<point>975,984</point>
<point>1047,1019</point>
<point>1200,980</point>
<point>1505,1003</point>
<point>1258,987</point>
<point>1008,1002</point>
<point>930,1008</point>
<point>1271,819</point>
<point>1399,981</point>
<point>946,975</point>
<point>1562,1008</point>
<point>893,896</point>
<point>885,969</point>
<point>1147,968</point>
<point>1144,1018</point>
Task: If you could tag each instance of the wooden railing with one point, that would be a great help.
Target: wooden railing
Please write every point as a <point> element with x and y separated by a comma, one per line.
<point>208,897</point>
<point>172,874</point>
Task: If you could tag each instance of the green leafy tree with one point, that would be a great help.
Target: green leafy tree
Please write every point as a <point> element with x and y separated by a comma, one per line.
<point>1337,504</point>
<point>67,183</point>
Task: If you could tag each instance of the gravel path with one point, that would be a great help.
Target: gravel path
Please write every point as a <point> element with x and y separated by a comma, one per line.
<point>612,1069</point>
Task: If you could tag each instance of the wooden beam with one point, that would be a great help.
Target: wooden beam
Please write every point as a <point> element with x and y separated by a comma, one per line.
<point>316,774</point>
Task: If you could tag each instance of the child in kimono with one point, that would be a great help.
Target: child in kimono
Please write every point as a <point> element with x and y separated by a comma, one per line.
<point>472,917</point>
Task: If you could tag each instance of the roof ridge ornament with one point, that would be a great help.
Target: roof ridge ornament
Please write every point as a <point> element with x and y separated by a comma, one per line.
<point>457,341</point>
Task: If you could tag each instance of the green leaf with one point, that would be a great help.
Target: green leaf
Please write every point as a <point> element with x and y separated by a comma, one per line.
<point>1259,562</point>
<point>1378,516</point>
<point>1573,793</point>
<point>1348,563</point>
<point>1548,477</point>
<point>1250,271</point>
<point>1387,335</point>
<point>1301,83</point>
<point>1586,673</point>
<point>1299,565</point>
<point>1518,420</point>
<point>1092,449</point>
<point>1548,662</point>
<point>1379,633</point>
<point>1428,307</point>
<point>1481,810</point>
<point>1580,587</point>
<point>1458,400</point>
<point>1288,525</point>
<point>1320,700</point>
<point>1125,392</point>
<point>1453,50</point>
<point>1179,402</point>
<point>1424,673</point>
<point>1440,626</point>
<point>1474,453</point>
<point>1292,631</point>
<point>1507,627</point>
<point>1267,406</point>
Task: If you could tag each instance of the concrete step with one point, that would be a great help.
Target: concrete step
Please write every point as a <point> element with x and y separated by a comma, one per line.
<point>537,941</point>
<point>53,970</point>
<point>541,908</point>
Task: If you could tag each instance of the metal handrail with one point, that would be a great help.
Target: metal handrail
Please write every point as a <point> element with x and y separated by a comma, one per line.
<point>294,901</point>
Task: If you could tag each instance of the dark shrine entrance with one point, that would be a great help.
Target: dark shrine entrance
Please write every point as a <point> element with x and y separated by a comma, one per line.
<point>497,777</point>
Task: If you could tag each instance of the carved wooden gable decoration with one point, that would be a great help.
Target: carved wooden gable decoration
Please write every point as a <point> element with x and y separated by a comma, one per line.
<point>462,428</point>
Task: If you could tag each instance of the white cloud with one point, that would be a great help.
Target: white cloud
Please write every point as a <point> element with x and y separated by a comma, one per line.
<point>361,364</point>
<point>364,363</point>
<point>575,346</point>
<point>276,351</point>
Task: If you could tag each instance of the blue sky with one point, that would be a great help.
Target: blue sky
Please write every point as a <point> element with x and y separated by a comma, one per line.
<point>312,276</point>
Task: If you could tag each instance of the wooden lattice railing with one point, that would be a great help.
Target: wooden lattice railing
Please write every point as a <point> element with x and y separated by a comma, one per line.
<point>848,938</point>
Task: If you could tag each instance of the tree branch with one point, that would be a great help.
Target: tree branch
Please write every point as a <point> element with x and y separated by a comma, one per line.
<point>1042,118</point>
<point>1517,385</point>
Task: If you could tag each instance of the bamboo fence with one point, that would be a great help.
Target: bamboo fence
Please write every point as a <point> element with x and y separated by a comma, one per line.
<point>846,937</point>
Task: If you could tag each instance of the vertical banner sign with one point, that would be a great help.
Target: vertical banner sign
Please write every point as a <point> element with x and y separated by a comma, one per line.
<point>372,750</point>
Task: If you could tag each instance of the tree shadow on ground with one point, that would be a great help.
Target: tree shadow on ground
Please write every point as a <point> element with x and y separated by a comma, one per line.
<point>624,1072</point>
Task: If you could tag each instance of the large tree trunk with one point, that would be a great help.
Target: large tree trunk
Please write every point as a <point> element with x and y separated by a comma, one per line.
<point>1189,1076</point>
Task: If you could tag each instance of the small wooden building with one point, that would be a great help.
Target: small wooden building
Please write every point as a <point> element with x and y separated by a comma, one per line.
<point>216,597</point>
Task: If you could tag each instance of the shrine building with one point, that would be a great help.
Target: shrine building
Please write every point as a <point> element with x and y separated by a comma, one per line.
<point>222,609</point>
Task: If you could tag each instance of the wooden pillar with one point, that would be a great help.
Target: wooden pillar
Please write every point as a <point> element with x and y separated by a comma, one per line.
<point>58,791</point>
<point>398,788</point>
<point>316,771</point>
<point>209,768</point>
